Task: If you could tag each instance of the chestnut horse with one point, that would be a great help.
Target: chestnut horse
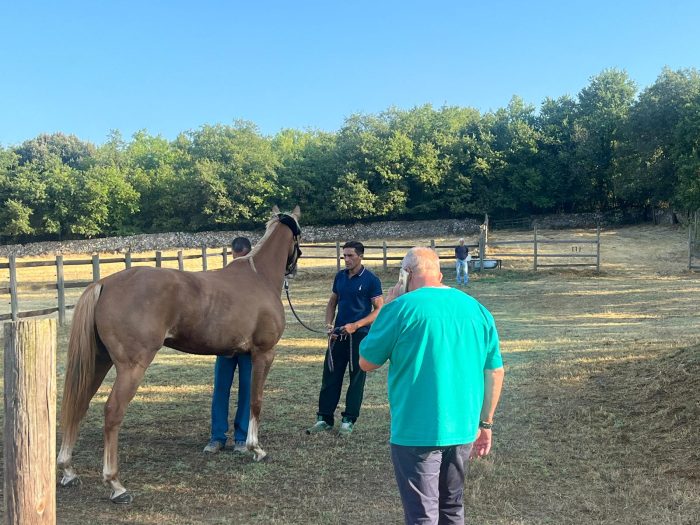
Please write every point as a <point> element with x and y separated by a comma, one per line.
<point>124,319</point>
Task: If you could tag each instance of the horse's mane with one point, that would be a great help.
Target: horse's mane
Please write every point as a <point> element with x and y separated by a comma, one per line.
<point>268,231</point>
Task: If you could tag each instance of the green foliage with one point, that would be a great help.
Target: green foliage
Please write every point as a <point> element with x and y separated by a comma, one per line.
<point>14,218</point>
<point>603,149</point>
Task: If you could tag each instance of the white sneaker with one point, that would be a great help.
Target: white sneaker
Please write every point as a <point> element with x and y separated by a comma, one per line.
<point>345,428</point>
<point>320,426</point>
<point>240,446</point>
<point>213,447</point>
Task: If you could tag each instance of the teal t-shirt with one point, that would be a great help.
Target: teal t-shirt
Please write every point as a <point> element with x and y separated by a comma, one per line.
<point>438,341</point>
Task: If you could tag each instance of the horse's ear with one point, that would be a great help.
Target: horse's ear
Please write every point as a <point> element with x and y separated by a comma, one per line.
<point>275,210</point>
<point>297,212</point>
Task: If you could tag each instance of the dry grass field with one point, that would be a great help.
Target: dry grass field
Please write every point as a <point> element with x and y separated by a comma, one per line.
<point>599,421</point>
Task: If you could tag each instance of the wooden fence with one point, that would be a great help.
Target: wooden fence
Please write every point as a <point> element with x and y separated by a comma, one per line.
<point>483,248</point>
<point>588,259</point>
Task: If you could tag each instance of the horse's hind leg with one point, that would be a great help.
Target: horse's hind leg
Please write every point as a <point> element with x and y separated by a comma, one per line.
<point>70,434</point>
<point>128,379</point>
<point>262,360</point>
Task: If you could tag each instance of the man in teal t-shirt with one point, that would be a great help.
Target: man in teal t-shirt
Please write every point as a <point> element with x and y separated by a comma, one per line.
<point>445,378</point>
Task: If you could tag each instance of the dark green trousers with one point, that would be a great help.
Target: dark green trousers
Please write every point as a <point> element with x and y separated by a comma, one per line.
<point>332,382</point>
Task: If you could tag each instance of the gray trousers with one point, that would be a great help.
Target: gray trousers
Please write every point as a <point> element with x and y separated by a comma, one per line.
<point>431,483</point>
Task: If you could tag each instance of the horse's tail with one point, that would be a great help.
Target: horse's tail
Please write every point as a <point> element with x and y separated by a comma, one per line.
<point>80,368</point>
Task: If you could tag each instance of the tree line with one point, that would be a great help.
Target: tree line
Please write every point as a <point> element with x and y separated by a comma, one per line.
<point>609,147</point>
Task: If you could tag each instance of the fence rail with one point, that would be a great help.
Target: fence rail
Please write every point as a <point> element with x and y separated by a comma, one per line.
<point>484,250</point>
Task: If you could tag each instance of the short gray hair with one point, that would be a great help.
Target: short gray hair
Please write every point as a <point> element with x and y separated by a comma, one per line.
<point>422,261</point>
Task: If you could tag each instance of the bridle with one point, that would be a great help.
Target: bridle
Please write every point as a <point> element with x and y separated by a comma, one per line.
<point>291,223</point>
<point>290,269</point>
<point>292,260</point>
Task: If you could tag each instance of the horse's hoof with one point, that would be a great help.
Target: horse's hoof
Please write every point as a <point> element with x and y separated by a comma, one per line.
<point>70,482</point>
<point>124,498</point>
<point>261,458</point>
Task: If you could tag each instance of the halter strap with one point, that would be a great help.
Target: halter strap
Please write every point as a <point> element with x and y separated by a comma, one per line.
<point>290,223</point>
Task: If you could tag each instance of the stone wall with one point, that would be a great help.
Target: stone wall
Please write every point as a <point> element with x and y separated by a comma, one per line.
<point>180,240</point>
<point>318,234</point>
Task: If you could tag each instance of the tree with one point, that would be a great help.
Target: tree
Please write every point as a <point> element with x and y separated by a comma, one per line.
<point>245,163</point>
<point>650,170</point>
<point>69,149</point>
<point>308,170</point>
<point>603,108</point>
<point>686,155</point>
<point>563,183</point>
<point>14,218</point>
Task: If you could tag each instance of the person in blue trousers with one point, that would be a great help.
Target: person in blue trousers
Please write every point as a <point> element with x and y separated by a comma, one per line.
<point>224,370</point>
<point>462,259</point>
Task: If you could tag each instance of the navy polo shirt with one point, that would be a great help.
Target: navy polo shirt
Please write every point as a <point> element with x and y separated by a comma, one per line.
<point>355,296</point>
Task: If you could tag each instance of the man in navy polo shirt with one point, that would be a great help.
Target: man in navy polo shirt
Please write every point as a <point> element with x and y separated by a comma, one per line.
<point>357,294</point>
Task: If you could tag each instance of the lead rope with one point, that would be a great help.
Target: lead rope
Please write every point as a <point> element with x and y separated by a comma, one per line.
<point>331,337</point>
<point>286,290</point>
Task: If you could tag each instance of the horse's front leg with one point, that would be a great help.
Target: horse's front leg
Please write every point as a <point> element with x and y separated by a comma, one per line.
<point>262,361</point>
<point>128,379</point>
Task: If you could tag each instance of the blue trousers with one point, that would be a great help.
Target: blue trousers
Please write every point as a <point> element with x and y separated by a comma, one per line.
<point>462,269</point>
<point>431,483</point>
<point>223,378</point>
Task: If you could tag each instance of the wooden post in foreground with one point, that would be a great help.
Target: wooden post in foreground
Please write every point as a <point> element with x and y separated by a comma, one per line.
<point>30,422</point>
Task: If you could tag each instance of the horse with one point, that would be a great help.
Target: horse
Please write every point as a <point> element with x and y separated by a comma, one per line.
<point>124,319</point>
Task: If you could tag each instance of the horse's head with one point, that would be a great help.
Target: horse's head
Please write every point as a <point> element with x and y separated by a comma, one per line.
<point>291,221</point>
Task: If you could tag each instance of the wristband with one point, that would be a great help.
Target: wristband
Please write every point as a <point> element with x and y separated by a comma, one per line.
<point>485,425</point>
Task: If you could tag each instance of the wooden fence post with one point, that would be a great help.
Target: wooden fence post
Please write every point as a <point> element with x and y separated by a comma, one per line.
<point>14,302</point>
<point>30,422</point>
<point>597,246</point>
<point>60,286</point>
<point>204,258</point>
<point>535,247</point>
<point>224,256</point>
<point>337,254</point>
<point>486,228</point>
<point>127,259</point>
<point>159,259</point>
<point>385,262</point>
<point>95,267</point>
<point>692,238</point>
<point>180,261</point>
<point>482,249</point>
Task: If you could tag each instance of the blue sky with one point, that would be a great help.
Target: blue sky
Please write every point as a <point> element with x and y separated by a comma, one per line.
<point>87,67</point>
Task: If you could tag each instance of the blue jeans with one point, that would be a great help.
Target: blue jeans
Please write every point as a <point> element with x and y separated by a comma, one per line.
<point>462,268</point>
<point>431,482</point>
<point>223,378</point>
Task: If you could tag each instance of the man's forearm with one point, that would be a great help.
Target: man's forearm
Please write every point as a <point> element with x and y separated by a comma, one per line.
<point>330,313</point>
<point>493,383</point>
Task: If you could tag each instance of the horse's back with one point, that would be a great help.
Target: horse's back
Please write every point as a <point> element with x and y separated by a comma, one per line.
<point>199,312</point>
